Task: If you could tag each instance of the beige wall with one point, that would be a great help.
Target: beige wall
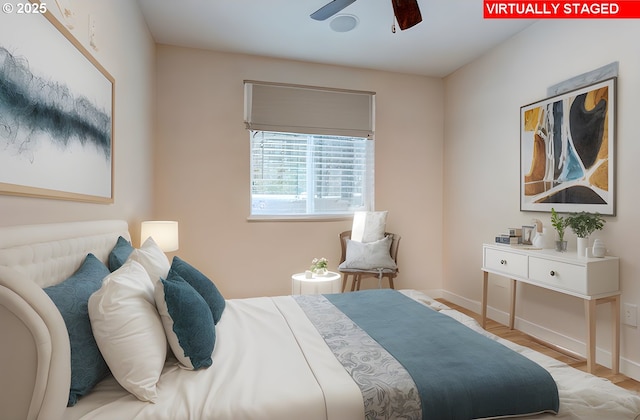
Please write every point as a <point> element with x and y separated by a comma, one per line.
<point>202,172</point>
<point>126,50</point>
<point>481,161</point>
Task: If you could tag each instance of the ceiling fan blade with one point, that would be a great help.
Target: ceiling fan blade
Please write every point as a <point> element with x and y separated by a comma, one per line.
<point>330,9</point>
<point>407,13</point>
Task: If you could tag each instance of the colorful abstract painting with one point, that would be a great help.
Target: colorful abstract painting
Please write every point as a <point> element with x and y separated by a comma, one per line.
<point>56,113</point>
<point>567,151</point>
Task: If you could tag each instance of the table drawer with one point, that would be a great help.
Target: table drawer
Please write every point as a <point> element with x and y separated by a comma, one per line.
<point>509,263</point>
<point>559,274</point>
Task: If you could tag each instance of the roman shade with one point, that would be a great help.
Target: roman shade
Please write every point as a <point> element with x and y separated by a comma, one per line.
<point>308,110</point>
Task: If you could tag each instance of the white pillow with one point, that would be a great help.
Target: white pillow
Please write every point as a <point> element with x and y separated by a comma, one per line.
<point>368,226</point>
<point>128,329</point>
<point>153,259</point>
<point>369,256</point>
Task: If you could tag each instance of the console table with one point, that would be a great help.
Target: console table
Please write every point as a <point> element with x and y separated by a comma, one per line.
<point>595,280</point>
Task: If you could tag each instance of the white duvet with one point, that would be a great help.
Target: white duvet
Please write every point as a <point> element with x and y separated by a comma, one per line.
<point>269,362</point>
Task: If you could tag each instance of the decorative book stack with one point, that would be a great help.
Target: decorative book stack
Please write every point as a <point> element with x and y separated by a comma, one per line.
<point>512,237</point>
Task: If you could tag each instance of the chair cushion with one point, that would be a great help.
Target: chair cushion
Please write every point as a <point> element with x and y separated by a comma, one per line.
<point>369,256</point>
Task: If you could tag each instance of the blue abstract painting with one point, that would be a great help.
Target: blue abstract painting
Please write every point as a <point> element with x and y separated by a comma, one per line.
<point>56,113</point>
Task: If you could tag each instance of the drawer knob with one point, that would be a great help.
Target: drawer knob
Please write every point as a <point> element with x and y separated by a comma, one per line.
<point>503,262</point>
<point>552,273</point>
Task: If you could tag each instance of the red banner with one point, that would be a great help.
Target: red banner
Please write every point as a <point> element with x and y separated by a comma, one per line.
<point>625,9</point>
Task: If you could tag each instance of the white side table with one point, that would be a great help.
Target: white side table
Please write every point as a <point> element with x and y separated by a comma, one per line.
<point>329,283</point>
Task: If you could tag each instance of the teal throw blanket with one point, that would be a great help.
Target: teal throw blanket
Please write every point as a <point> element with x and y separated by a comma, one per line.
<point>459,373</point>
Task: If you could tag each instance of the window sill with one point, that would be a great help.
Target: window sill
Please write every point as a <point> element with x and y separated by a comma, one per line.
<point>301,218</point>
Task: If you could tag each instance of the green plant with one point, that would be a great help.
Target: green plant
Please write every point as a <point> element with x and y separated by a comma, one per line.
<point>319,263</point>
<point>559,223</point>
<point>583,224</point>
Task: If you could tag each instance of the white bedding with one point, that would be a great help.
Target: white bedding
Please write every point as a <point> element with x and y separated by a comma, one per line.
<point>270,363</point>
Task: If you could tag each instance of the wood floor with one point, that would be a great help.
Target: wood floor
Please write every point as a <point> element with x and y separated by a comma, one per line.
<point>528,341</point>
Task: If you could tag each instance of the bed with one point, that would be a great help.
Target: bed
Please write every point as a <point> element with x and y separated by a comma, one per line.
<point>283,357</point>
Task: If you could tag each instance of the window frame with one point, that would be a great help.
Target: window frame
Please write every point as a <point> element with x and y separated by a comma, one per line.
<point>367,186</point>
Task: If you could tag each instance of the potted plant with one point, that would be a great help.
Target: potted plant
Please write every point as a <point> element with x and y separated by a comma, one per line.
<point>559,223</point>
<point>319,266</point>
<point>583,224</point>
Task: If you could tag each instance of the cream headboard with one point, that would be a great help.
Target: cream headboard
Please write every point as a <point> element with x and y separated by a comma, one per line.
<point>49,253</point>
<point>35,357</point>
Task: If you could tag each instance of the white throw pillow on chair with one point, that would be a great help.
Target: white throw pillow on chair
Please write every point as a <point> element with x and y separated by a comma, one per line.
<point>368,226</point>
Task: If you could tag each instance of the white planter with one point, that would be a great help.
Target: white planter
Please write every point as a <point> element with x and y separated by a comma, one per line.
<point>583,244</point>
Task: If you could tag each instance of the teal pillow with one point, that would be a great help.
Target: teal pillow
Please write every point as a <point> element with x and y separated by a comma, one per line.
<point>202,284</point>
<point>187,321</point>
<point>71,297</point>
<point>119,254</point>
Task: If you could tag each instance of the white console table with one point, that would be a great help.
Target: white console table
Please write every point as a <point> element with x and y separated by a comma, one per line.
<point>595,280</point>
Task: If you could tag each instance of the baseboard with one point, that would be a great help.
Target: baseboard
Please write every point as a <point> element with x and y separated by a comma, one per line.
<point>434,293</point>
<point>628,367</point>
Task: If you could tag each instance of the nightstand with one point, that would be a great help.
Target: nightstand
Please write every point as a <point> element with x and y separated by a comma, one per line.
<point>301,285</point>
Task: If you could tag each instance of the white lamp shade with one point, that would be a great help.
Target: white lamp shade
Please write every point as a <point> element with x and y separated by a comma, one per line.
<point>163,232</point>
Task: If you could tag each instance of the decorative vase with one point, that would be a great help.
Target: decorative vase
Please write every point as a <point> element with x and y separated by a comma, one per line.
<point>583,243</point>
<point>538,240</point>
<point>320,271</point>
<point>561,246</point>
<point>599,249</point>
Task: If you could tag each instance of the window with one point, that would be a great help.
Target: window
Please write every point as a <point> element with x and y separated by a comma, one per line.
<point>295,175</point>
<point>311,150</point>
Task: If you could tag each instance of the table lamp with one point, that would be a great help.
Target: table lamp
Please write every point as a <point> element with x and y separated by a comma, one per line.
<point>163,232</point>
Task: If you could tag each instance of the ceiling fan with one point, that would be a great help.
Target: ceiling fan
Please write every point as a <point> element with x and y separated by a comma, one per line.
<point>407,12</point>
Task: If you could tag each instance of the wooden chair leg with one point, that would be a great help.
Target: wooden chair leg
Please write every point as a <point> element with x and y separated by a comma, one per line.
<point>391,282</point>
<point>345,278</point>
<point>353,282</point>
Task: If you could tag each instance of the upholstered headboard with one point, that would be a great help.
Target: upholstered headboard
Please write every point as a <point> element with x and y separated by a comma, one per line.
<point>35,356</point>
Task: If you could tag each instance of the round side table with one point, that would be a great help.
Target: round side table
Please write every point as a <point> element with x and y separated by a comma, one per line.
<point>301,285</point>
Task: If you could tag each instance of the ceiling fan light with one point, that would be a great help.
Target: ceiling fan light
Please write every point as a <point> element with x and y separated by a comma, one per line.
<point>344,23</point>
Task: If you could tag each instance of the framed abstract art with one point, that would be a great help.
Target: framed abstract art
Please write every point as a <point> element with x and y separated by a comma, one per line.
<point>567,151</point>
<point>56,111</point>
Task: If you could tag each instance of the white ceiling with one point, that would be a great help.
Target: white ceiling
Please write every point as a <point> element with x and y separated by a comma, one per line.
<point>452,33</point>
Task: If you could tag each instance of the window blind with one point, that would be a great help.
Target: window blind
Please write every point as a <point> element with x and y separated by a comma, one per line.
<point>308,110</point>
<point>296,174</point>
